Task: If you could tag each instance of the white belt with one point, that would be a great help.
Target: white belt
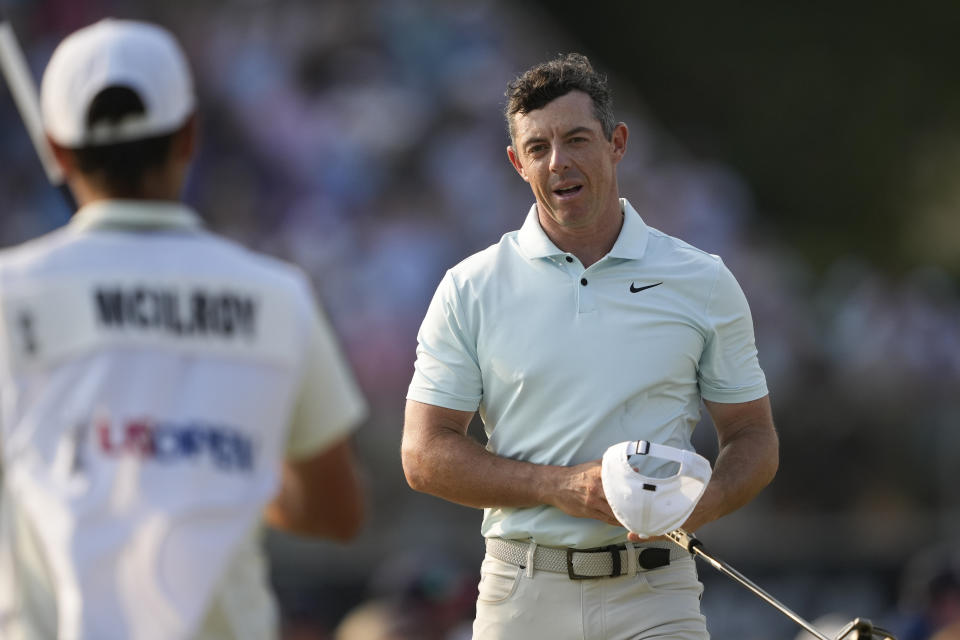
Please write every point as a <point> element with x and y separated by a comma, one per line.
<point>581,564</point>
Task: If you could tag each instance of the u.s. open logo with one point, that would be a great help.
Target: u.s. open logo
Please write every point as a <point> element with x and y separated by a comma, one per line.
<point>168,442</point>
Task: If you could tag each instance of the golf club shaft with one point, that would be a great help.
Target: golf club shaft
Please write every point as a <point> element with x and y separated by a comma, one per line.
<point>694,546</point>
<point>16,72</point>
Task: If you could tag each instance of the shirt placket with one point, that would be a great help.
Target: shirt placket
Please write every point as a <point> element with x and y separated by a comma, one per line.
<point>585,299</point>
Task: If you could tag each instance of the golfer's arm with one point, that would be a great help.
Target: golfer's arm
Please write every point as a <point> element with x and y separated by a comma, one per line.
<point>439,458</point>
<point>747,461</point>
<point>321,495</point>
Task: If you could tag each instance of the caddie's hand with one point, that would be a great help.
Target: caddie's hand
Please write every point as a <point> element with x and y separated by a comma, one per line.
<point>579,493</point>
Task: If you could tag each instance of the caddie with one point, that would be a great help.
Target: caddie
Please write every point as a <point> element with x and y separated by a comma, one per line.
<point>163,389</point>
<point>585,335</point>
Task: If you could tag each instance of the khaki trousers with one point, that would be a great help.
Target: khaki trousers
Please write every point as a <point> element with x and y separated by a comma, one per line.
<point>660,604</point>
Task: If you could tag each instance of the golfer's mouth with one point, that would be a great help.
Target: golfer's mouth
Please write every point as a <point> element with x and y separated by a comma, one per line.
<point>567,192</point>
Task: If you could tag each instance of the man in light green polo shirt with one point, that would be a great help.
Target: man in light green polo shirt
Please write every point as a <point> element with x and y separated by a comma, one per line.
<point>583,329</point>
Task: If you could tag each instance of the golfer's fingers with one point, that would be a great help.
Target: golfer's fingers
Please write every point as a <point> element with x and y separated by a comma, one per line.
<point>632,537</point>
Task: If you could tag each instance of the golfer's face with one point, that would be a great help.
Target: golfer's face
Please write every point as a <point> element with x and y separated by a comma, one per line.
<point>569,164</point>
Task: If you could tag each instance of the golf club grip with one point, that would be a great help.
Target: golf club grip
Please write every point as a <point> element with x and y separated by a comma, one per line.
<point>16,72</point>
<point>686,540</point>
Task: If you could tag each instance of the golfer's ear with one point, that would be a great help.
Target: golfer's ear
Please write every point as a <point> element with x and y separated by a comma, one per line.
<point>515,161</point>
<point>619,140</point>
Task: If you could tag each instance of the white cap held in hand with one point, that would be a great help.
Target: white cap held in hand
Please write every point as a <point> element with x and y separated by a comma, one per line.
<point>652,506</point>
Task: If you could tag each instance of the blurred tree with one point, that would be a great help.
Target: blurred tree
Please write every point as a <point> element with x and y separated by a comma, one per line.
<point>844,116</point>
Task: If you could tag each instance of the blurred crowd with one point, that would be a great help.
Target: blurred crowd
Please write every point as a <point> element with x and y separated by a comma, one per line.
<point>364,140</point>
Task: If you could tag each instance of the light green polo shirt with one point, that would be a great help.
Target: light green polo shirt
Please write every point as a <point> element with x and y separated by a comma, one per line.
<point>563,362</point>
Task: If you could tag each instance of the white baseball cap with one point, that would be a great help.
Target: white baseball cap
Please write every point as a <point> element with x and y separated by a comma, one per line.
<point>142,57</point>
<point>651,506</point>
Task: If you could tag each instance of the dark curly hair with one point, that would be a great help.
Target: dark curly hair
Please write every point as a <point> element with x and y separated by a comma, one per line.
<point>544,83</point>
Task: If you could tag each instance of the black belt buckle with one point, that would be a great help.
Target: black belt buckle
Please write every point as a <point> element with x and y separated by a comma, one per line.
<point>653,558</point>
<point>614,551</point>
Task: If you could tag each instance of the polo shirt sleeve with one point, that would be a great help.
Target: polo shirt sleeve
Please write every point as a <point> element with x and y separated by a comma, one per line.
<point>447,369</point>
<point>729,370</point>
<point>329,403</point>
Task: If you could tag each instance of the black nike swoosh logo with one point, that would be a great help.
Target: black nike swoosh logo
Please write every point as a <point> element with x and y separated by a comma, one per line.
<point>634,289</point>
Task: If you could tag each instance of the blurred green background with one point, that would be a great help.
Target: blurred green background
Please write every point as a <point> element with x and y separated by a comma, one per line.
<point>843,116</point>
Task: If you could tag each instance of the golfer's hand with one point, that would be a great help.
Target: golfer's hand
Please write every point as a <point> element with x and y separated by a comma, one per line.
<point>691,524</point>
<point>579,492</point>
<point>632,537</point>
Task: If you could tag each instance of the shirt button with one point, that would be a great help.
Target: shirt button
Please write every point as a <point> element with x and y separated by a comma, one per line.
<point>583,281</point>
<point>569,259</point>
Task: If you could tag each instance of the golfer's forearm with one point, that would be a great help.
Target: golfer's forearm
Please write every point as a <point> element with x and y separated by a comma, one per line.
<point>745,465</point>
<point>456,468</point>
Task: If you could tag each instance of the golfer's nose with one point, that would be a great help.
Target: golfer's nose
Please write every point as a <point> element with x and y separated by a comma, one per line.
<point>559,160</point>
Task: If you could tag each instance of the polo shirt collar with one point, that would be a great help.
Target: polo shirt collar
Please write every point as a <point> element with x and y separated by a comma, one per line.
<point>533,240</point>
<point>631,243</point>
<point>136,215</point>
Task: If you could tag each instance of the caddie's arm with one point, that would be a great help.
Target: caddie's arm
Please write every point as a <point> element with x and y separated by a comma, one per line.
<point>746,463</point>
<point>439,458</point>
<point>321,492</point>
<point>320,495</point>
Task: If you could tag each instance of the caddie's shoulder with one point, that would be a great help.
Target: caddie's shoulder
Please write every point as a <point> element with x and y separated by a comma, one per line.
<point>256,266</point>
<point>27,256</point>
